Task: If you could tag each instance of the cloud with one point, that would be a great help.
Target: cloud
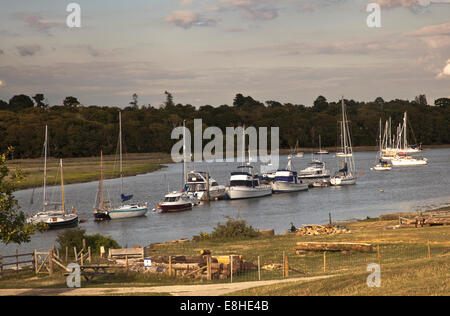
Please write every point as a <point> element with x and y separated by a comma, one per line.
<point>1,52</point>
<point>187,19</point>
<point>432,30</point>
<point>2,83</point>
<point>445,73</point>
<point>408,3</point>
<point>186,2</point>
<point>28,50</point>
<point>253,9</point>
<point>37,23</point>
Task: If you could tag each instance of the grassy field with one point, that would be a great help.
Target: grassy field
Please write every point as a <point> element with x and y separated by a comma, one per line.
<point>77,170</point>
<point>408,268</point>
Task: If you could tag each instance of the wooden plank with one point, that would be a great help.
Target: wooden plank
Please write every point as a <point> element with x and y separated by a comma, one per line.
<point>334,246</point>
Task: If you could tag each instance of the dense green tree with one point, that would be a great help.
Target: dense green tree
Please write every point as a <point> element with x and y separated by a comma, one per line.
<point>71,102</point>
<point>20,102</point>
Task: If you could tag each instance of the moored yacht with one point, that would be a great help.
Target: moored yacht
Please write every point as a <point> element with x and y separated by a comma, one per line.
<point>245,185</point>
<point>315,172</point>
<point>196,186</point>
<point>176,202</point>
<point>286,180</point>
<point>347,174</point>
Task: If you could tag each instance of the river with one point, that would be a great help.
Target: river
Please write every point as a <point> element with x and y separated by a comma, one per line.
<point>376,193</point>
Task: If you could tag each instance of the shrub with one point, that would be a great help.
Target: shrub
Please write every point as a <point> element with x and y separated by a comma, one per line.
<point>232,229</point>
<point>74,238</point>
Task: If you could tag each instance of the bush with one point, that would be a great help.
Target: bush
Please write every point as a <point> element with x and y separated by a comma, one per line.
<point>74,238</point>
<point>232,229</point>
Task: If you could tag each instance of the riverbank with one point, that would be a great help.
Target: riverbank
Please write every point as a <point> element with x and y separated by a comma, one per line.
<point>414,261</point>
<point>80,170</point>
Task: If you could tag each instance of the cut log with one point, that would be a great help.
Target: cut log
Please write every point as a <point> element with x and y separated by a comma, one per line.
<point>333,246</point>
<point>179,259</point>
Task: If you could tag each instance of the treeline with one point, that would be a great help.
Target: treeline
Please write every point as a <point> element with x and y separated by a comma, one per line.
<point>78,131</point>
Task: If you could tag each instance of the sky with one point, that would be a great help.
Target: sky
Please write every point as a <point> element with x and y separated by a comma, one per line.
<point>207,51</point>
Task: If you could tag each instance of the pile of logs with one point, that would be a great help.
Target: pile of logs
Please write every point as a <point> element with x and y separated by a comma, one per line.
<point>302,247</point>
<point>194,266</point>
<point>434,218</point>
<point>315,230</point>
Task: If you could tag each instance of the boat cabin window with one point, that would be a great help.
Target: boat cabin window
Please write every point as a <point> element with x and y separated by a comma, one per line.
<point>171,199</point>
<point>244,183</point>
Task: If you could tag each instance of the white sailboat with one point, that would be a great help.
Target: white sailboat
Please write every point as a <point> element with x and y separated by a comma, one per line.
<point>321,151</point>
<point>343,153</point>
<point>57,218</point>
<point>123,210</point>
<point>346,175</point>
<point>382,164</point>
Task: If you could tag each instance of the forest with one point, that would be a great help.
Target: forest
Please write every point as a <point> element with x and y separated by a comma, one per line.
<point>76,130</point>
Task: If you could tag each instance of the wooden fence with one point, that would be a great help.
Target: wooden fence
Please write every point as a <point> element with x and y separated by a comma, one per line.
<point>19,264</point>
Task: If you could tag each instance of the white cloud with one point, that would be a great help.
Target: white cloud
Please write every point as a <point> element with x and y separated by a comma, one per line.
<point>445,73</point>
<point>187,19</point>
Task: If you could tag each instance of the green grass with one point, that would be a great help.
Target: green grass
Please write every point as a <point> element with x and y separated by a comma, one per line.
<point>78,170</point>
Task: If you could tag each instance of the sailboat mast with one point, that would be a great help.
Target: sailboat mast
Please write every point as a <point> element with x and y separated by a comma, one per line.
<point>184,154</point>
<point>243,145</point>
<point>120,149</point>
<point>405,140</point>
<point>344,132</point>
<point>101,180</point>
<point>62,187</point>
<point>45,166</point>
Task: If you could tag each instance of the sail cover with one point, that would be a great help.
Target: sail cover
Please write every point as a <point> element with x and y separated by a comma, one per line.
<point>345,169</point>
<point>126,197</point>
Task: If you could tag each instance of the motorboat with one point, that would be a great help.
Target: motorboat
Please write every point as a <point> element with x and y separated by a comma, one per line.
<point>382,165</point>
<point>245,185</point>
<point>316,171</point>
<point>196,185</point>
<point>286,180</point>
<point>176,202</point>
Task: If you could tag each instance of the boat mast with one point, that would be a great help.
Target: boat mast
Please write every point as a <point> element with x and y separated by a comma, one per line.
<point>101,180</point>
<point>405,140</point>
<point>184,154</point>
<point>45,167</point>
<point>344,132</point>
<point>62,186</point>
<point>120,155</point>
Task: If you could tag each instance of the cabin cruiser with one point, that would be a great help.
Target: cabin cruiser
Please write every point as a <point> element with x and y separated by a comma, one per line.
<point>54,219</point>
<point>176,202</point>
<point>245,185</point>
<point>286,180</point>
<point>196,186</point>
<point>382,165</point>
<point>315,172</point>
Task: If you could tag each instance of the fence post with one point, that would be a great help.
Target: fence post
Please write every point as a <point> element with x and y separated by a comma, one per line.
<point>126,263</point>
<point>67,254</point>
<point>89,254</point>
<point>208,267</point>
<point>170,265</point>
<point>231,266</point>
<point>286,266</point>
<point>82,258</point>
<point>379,255</point>
<point>75,253</point>
<point>429,250</point>
<point>35,261</point>
<point>17,260</point>
<point>1,265</point>
<point>50,261</point>
<point>324,261</point>
<point>259,268</point>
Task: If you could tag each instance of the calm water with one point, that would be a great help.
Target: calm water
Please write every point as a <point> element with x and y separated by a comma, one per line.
<point>405,189</point>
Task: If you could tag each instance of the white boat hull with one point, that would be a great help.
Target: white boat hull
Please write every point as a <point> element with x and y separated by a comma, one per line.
<point>235,193</point>
<point>378,168</point>
<point>408,162</point>
<point>343,181</point>
<point>280,187</point>
<point>127,213</point>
